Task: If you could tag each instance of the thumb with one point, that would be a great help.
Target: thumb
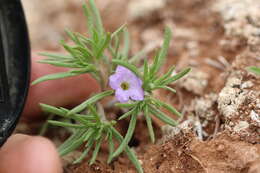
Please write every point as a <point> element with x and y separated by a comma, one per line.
<point>26,154</point>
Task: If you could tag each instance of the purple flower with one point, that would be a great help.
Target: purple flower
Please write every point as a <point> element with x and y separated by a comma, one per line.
<point>126,84</point>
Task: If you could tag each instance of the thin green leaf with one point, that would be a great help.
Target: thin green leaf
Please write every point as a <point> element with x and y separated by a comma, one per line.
<point>162,116</point>
<point>104,45</point>
<point>111,145</point>
<point>99,133</point>
<point>64,113</point>
<point>73,145</point>
<point>176,77</point>
<point>60,64</point>
<point>85,152</point>
<point>165,76</point>
<point>87,117</point>
<point>165,87</point>
<point>96,37</point>
<point>95,152</point>
<point>73,37</point>
<point>45,125</point>
<point>149,124</point>
<point>97,16</point>
<point>116,47</point>
<point>90,20</point>
<point>160,57</point>
<point>87,41</point>
<point>90,101</point>
<point>112,51</point>
<point>86,69</point>
<point>126,105</point>
<point>118,31</point>
<point>88,135</point>
<point>126,48</point>
<point>131,155</point>
<point>137,57</point>
<point>83,119</point>
<point>93,111</point>
<point>75,136</point>
<point>64,124</point>
<point>127,137</point>
<point>56,56</point>
<point>125,115</point>
<point>69,49</point>
<point>52,109</point>
<point>53,77</point>
<point>85,53</point>
<point>168,107</point>
<point>146,76</point>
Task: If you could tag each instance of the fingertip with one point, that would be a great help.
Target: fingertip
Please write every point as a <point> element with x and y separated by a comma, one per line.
<point>26,154</point>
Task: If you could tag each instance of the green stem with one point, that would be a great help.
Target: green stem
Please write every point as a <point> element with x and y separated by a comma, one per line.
<point>45,125</point>
<point>101,112</point>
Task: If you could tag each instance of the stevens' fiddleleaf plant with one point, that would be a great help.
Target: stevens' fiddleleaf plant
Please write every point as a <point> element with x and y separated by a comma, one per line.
<point>105,57</point>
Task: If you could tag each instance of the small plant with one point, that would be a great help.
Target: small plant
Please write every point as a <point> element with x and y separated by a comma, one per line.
<point>255,70</point>
<point>105,58</point>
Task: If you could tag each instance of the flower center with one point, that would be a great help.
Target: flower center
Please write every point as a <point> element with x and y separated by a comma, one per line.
<point>124,85</point>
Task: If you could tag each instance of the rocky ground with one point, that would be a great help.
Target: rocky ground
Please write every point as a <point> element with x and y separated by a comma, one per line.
<point>220,100</point>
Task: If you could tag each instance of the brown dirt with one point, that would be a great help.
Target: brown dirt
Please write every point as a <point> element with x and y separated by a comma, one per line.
<point>220,100</point>
<point>185,153</point>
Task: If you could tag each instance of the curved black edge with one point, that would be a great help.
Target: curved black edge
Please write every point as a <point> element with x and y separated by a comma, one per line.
<point>14,65</point>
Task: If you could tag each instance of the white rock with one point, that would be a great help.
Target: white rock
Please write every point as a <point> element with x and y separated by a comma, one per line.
<point>232,96</point>
<point>247,84</point>
<point>254,116</point>
<point>242,125</point>
<point>141,8</point>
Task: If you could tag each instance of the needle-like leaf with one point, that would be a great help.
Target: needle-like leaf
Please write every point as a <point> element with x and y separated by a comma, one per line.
<point>162,116</point>
<point>176,77</point>
<point>90,101</point>
<point>168,107</point>
<point>160,57</point>
<point>95,152</point>
<point>149,123</point>
<point>74,141</point>
<point>85,152</point>
<point>127,137</point>
<point>125,115</point>
<point>131,155</point>
<point>54,77</point>
<point>64,124</point>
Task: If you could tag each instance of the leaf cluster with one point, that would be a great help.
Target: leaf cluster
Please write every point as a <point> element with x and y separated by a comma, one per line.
<point>86,53</point>
<point>90,131</point>
<point>150,75</point>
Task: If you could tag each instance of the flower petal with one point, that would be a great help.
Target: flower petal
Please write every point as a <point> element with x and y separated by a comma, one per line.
<point>140,82</point>
<point>122,96</point>
<point>114,81</point>
<point>121,69</point>
<point>136,94</point>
